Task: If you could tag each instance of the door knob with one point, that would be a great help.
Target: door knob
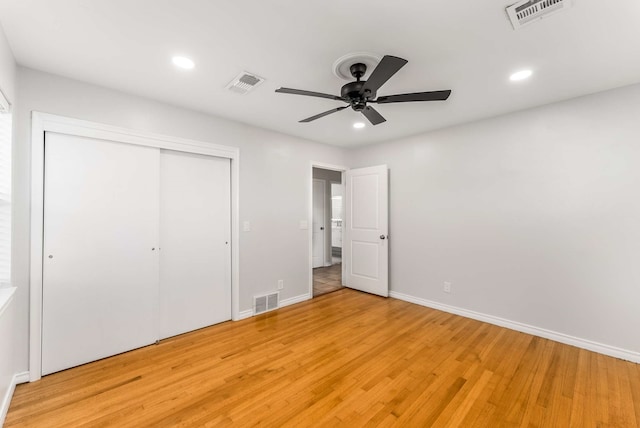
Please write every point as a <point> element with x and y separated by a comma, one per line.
<point>382,237</point>
<point>321,228</point>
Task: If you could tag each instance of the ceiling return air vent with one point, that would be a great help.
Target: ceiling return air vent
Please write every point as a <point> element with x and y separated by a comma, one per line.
<point>266,303</point>
<point>527,11</point>
<point>244,82</point>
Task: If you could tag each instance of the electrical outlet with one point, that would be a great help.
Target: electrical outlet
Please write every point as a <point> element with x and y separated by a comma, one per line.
<point>280,284</point>
<point>246,226</point>
<point>446,287</point>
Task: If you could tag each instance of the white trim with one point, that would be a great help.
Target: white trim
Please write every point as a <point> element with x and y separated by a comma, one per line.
<point>324,220</point>
<point>341,183</point>
<point>5,107</point>
<point>22,377</point>
<point>589,345</point>
<point>6,400</point>
<point>245,314</point>
<point>331,167</point>
<point>83,128</point>
<point>44,122</point>
<point>6,296</point>
<point>295,299</point>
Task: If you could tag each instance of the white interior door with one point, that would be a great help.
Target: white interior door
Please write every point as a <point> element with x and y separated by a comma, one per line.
<point>366,247</point>
<point>100,269</point>
<point>318,234</point>
<point>195,242</point>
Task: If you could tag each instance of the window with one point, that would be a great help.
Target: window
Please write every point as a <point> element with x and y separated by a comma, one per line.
<point>5,192</point>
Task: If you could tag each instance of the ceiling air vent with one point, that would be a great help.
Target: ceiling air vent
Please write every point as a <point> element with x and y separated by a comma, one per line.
<point>244,82</point>
<point>527,11</point>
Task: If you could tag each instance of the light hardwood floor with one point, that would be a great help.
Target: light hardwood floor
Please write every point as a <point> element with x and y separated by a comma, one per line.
<point>343,359</point>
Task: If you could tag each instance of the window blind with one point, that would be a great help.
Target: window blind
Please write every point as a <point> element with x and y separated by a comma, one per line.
<point>5,198</point>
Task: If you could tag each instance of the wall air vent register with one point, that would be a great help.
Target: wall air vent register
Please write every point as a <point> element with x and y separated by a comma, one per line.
<point>527,11</point>
<point>265,303</point>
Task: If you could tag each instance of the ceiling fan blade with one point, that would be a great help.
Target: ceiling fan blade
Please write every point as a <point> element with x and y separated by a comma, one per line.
<point>372,114</point>
<point>389,65</point>
<point>417,96</point>
<point>308,93</point>
<point>326,113</point>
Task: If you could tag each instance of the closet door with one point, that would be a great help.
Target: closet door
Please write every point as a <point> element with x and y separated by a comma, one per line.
<point>195,241</point>
<point>100,270</point>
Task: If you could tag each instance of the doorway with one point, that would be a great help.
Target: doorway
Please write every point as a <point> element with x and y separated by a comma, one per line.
<point>327,221</point>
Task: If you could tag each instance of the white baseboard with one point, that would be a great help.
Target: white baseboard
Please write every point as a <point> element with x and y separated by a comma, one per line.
<point>589,345</point>
<point>294,300</point>
<point>244,314</point>
<point>22,378</point>
<point>6,400</point>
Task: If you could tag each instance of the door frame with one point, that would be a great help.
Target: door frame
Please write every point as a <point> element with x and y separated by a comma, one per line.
<point>330,221</point>
<point>323,261</point>
<point>45,122</point>
<point>342,169</point>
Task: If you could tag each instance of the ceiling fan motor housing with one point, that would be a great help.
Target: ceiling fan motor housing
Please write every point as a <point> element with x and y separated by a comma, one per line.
<point>352,91</point>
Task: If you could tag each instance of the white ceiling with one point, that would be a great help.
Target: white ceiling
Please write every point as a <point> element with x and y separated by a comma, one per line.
<point>467,46</point>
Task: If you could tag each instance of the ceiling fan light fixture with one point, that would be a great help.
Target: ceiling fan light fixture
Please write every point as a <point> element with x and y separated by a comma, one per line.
<point>359,125</point>
<point>521,75</point>
<point>183,62</point>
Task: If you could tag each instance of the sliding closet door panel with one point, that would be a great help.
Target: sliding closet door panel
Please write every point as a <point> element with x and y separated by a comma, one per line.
<point>195,241</point>
<point>100,282</point>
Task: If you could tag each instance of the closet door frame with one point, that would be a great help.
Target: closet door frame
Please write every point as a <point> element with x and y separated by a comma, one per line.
<point>45,122</point>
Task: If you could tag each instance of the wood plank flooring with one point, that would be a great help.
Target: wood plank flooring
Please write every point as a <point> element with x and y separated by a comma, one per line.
<point>343,359</point>
<point>327,279</point>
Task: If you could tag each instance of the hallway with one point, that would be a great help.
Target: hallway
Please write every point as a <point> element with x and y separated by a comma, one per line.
<point>327,279</point>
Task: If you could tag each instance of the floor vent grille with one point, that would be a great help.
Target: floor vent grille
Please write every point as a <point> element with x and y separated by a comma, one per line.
<point>527,11</point>
<point>265,303</point>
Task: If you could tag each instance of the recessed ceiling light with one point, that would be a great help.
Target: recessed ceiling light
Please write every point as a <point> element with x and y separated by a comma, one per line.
<point>358,125</point>
<point>183,62</point>
<point>520,75</point>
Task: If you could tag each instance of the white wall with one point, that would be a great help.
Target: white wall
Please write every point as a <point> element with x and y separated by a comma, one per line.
<point>274,180</point>
<point>533,216</point>
<point>7,331</point>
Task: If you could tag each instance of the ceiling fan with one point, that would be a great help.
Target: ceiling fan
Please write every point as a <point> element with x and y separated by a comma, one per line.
<point>362,92</point>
